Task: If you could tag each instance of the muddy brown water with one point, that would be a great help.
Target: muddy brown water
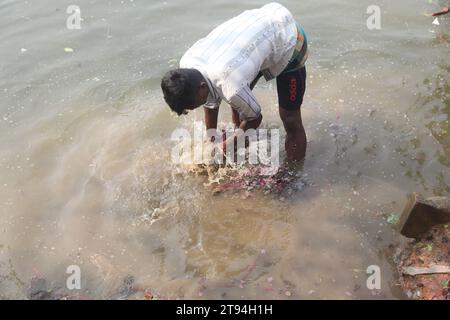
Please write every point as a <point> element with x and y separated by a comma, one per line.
<point>86,177</point>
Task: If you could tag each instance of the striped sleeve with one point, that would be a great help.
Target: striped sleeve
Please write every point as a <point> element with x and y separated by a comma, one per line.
<point>213,104</point>
<point>244,102</point>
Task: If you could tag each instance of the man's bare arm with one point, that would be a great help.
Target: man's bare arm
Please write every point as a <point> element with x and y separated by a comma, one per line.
<point>244,126</point>
<point>211,116</point>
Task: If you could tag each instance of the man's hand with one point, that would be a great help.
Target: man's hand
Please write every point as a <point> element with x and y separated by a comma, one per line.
<point>244,126</point>
<point>230,142</point>
<point>250,124</point>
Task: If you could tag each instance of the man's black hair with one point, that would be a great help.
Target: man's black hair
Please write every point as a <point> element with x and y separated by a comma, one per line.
<point>180,86</point>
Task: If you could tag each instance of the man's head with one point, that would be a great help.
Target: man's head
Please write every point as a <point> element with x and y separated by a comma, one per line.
<point>184,89</point>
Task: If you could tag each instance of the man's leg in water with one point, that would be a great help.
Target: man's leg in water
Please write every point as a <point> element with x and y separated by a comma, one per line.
<point>291,89</point>
<point>295,134</point>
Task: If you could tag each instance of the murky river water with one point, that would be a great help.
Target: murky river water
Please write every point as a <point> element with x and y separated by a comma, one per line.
<point>86,176</point>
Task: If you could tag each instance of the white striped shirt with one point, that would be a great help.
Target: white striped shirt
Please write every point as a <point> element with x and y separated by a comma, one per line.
<point>231,56</point>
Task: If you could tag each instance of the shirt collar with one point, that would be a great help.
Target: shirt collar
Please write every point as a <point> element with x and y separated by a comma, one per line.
<point>212,94</point>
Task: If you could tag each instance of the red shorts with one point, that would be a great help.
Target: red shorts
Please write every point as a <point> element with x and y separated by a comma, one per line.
<point>291,89</point>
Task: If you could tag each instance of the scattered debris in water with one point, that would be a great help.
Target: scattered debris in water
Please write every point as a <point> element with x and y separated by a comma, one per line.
<point>392,218</point>
<point>38,289</point>
<point>424,266</point>
<point>253,178</point>
<point>444,10</point>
